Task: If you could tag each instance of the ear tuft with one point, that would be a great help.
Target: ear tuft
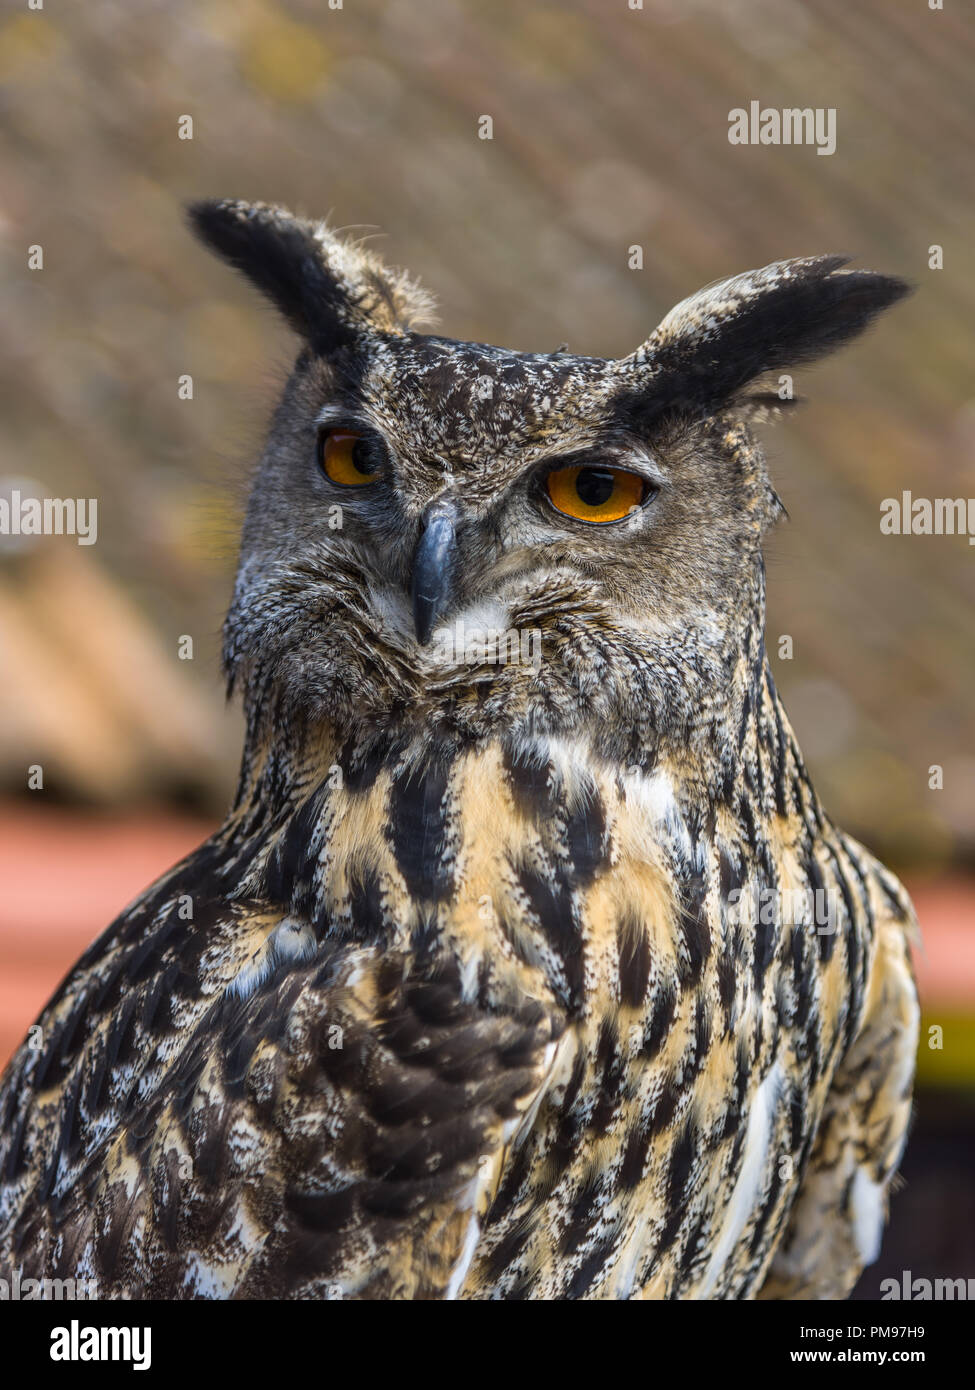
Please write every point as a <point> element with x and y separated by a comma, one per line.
<point>332,292</point>
<point>712,345</point>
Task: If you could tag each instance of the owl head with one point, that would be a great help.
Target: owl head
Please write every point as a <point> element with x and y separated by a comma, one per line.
<point>455,538</point>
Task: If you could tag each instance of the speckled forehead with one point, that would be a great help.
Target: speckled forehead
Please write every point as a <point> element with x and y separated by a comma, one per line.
<point>461,401</point>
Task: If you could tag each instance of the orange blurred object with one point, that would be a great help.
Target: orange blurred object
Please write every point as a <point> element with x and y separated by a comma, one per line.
<point>65,876</point>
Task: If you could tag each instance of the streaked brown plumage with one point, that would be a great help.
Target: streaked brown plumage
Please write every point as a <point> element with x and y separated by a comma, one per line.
<point>488,986</point>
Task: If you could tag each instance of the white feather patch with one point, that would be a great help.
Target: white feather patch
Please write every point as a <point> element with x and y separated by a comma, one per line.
<point>459,1272</point>
<point>289,941</point>
<point>867,1209</point>
<point>751,1178</point>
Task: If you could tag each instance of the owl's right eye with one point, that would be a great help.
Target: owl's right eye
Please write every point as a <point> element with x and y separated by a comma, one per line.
<point>595,494</point>
<point>347,459</point>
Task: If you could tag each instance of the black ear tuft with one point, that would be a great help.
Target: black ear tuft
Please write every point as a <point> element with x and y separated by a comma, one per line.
<point>332,292</point>
<point>278,253</point>
<point>711,346</point>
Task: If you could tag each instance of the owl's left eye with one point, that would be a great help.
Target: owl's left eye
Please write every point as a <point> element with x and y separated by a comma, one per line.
<point>596,494</point>
<point>347,458</point>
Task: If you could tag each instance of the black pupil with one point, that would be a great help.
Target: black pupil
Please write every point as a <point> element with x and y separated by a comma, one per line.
<point>595,486</point>
<point>360,456</point>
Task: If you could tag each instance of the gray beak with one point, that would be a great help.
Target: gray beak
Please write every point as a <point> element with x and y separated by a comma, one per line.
<point>434,561</point>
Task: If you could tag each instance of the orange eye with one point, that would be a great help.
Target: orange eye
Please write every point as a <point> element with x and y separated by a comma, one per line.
<point>346,459</point>
<point>595,494</point>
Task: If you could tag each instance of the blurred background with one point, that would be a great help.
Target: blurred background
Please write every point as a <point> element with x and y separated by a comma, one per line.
<point>610,132</point>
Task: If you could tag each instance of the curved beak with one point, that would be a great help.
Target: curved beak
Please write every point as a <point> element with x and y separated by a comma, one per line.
<point>434,564</point>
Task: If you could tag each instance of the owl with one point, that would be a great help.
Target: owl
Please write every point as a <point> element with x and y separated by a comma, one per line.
<point>527,963</point>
